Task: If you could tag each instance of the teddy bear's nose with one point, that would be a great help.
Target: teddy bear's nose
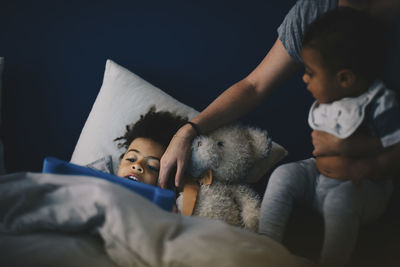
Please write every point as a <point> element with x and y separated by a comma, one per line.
<point>198,143</point>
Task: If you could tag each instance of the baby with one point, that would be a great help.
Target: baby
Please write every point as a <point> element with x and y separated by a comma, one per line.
<point>343,55</point>
<point>145,143</point>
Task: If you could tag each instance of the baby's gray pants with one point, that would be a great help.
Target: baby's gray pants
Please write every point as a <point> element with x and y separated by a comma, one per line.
<point>343,206</point>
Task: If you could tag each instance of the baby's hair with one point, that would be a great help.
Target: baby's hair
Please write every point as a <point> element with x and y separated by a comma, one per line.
<point>159,126</point>
<point>347,38</point>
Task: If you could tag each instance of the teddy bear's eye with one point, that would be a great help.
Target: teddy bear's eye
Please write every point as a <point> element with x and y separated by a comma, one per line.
<point>220,143</point>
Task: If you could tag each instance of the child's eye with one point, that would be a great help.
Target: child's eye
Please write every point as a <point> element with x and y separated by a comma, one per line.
<point>131,159</point>
<point>154,169</point>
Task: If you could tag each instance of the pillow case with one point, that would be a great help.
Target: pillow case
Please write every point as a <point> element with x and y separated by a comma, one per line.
<point>122,98</point>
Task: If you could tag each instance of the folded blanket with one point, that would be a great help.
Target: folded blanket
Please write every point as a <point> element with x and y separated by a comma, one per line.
<point>135,231</point>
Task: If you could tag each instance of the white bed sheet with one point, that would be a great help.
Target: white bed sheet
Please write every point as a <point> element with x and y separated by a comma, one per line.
<point>92,222</point>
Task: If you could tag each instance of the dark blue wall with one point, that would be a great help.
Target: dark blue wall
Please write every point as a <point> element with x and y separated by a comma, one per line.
<point>55,53</point>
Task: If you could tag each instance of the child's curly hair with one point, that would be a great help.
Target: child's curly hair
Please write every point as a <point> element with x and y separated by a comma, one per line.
<point>159,126</point>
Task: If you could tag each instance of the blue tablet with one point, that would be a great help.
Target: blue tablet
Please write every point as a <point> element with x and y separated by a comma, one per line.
<point>162,197</point>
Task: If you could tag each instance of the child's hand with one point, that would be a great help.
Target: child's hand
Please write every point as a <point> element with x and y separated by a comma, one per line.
<point>325,144</point>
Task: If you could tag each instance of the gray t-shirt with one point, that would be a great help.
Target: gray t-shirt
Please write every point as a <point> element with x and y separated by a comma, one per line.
<point>292,29</point>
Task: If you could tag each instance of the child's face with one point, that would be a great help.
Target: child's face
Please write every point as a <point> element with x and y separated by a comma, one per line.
<point>141,161</point>
<point>321,82</point>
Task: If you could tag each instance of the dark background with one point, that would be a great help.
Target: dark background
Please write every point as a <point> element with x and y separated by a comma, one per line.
<point>55,54</point>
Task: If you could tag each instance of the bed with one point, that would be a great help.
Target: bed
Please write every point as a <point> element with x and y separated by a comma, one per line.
<point>56,57</point>
<point>92,221</point>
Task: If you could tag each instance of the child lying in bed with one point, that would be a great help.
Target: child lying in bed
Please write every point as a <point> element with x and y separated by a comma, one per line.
<point>145,143</point>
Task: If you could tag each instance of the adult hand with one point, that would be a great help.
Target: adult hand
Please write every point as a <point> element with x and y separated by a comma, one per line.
<point>325,144</point>
<point>176,156</point>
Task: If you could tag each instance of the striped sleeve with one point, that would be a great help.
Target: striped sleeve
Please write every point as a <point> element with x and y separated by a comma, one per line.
<point>385,118</point>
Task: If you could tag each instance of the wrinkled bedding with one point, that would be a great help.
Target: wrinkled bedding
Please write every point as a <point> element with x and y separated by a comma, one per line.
<point>89,221</point>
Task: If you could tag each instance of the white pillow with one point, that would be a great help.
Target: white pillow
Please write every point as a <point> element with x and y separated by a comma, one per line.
<point>123,97</point>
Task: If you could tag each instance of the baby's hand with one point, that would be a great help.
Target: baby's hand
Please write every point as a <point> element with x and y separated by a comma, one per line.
<point>325,144</point>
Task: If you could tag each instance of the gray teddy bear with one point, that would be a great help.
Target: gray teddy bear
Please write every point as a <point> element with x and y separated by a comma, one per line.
<point>233,153</point>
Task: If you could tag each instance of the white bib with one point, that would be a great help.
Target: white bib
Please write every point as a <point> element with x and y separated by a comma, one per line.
<point>342,117</point>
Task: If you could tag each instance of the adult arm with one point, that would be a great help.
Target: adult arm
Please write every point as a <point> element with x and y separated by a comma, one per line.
<point>233,103</point>
<point>384,165</point>
<point>357,145</point>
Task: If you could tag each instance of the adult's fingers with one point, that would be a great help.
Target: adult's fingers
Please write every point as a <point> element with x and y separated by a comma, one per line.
<point>165,171</point>
<point>180,169</point>
<point>176,155</point>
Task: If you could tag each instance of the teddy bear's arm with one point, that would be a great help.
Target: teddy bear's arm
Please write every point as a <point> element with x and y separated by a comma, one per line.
<point>179,202</point>
<point>249,202</point>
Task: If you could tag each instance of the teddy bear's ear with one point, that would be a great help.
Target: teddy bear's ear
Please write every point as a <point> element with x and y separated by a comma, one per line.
<point>269,154</point>
<point>260,142</point>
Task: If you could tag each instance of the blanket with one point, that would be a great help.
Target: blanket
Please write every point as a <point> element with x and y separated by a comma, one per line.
<point>132,230</point>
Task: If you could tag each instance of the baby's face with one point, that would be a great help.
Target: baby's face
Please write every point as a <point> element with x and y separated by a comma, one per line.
<point>141,161</point>
<point>320,82</point>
